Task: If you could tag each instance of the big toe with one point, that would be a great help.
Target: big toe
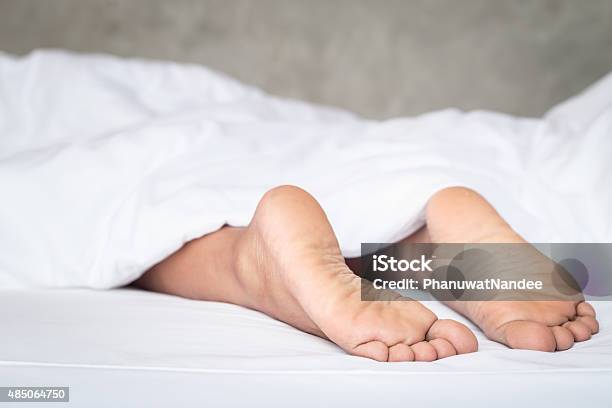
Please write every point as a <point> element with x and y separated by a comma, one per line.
<point>458,335</point>
<point>527,335</point>
<point>376,350</point>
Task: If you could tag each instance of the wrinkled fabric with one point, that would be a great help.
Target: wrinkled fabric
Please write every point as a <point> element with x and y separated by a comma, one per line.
<point>109,165</point>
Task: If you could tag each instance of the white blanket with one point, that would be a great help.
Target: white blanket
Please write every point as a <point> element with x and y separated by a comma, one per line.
<point>107,165</point>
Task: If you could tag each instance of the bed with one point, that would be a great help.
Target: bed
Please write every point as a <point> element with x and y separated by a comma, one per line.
<point>127,347</point>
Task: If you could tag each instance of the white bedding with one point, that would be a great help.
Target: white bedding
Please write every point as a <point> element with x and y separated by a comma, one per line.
<point>108,165</point>
<point>131,348</point>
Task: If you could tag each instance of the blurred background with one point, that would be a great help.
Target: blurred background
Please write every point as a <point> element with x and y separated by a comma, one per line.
<point>379,58</point>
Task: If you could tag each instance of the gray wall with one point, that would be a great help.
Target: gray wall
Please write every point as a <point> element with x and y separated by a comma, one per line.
<point>379,58</point>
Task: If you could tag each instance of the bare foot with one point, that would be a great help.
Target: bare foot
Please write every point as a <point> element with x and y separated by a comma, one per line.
<point>461,215</point>
<point>533,325</point>
<point>290,257</point>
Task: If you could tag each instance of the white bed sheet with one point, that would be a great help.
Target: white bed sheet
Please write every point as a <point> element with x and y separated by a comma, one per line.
<point>127,347</point>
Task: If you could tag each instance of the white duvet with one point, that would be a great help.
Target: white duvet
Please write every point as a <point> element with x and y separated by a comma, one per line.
<point>108,165</point>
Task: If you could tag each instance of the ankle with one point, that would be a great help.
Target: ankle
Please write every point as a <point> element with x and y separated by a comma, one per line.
<point>249,270</point>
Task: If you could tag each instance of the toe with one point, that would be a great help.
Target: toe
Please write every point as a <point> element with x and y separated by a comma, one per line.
<point>376,350</point>
<point>527,335</point>
<point>563,337</point>
<point>580,331</point>
<point>423,351</point>
<point>401,352</point>
<point>590,322</point>
<point>443,348</point>
<point>585,309</point>
<point>458,335</point>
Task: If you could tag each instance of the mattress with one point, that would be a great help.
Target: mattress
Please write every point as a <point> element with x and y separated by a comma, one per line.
<point>127,347</point>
